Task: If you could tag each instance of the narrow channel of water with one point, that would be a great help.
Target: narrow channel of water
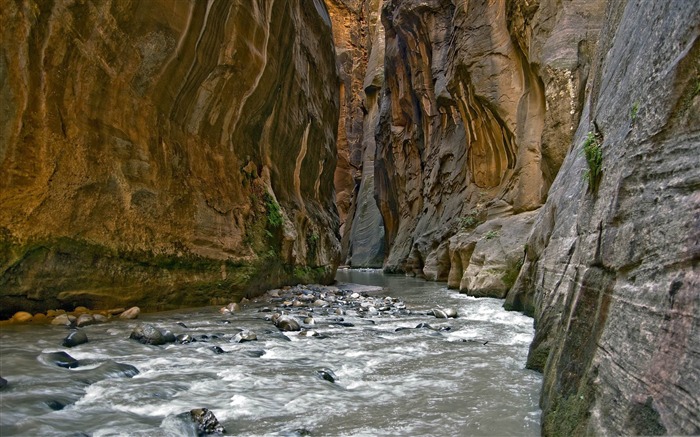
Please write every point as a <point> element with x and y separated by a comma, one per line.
<point>468,379</point>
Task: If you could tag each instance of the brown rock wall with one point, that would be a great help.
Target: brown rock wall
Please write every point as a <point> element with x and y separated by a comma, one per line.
<point>146,145</point>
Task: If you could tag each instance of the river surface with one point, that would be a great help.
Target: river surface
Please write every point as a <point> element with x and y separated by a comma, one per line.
<point>469,380</point>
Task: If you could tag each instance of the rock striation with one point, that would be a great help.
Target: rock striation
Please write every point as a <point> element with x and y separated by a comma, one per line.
<point>611,273</point>
<point>546,152</point>
<point>164,153</point>
<point>359,39</point>
<point>477,111</point>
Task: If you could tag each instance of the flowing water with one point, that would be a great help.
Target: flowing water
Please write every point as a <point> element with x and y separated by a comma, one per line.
<point>469,380</point>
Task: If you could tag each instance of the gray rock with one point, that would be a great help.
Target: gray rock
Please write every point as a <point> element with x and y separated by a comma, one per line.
<point>326,374</point>
<point>85,320</point>
<point>149,334</point>
<point>184,339</point>
<point>287,323</point>
<point>75,338</point>
<point>245,336</point>
<point>205,421</point>
<point>62,319</point>
<point>61,359</point>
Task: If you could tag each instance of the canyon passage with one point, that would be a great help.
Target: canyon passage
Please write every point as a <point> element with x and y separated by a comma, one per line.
<point>188,154</point>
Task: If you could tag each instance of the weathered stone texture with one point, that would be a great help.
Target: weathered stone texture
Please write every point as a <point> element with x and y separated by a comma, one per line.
<point>359,39</point>
<point>611,275</point>
<point>478,111</point>
<point>145,148</point>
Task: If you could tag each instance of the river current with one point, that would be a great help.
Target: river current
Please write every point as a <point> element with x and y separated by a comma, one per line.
<point>464,377</point>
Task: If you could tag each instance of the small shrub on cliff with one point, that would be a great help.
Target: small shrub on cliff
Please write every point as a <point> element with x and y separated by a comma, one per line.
<point>634,111</point>
<point>274,213</point>
<point>594,157</point>
<point>491,235</point>
<point>470,220</point>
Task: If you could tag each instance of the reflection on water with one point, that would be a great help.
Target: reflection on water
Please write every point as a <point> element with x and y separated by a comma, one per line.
<point>468,380</point>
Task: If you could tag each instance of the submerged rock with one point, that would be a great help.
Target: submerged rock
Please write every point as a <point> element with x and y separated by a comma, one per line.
<point>55,405</point>
<point>3,382</point>
<point>61,359</point>
<point>217,350</point>
<point>75,338</point>
<point>327,374</point>
<point>445,313</point>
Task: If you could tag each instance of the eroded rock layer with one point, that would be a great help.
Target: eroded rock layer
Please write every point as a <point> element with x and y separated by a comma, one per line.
<point>165,153</point>
<point>612,270</point>
<point>477,113</point>
<point>359,40</point>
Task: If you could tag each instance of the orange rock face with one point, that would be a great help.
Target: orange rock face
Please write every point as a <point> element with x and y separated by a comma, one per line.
<point>166,153</point>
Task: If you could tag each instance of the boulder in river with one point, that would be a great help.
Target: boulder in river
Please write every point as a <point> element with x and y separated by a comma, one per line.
<point>327,374</point>
<point>131,313</point>
<point>85,320</point>
<point>287,323</point>
<point>244,336</point>
<point>3,383</point>
<point>149,334</point>
<point>61,359</point>
<point>204,420</point>
<point>75,338</point>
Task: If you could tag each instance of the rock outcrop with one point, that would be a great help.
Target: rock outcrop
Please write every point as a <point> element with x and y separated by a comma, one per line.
<point>164,153</point>
<point>612,267</point>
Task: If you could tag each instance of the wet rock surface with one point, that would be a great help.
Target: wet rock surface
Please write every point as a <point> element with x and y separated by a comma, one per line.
<point>75,338</point>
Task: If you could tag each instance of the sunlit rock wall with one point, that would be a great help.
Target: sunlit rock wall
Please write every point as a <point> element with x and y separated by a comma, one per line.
<point>164,153</point>
<point>478,110</point>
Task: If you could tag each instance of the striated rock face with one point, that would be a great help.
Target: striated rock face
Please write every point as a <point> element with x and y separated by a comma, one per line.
<point>165,153</point>
<point>477,113</point>
<point>359,39</point>
<point>611,274</point>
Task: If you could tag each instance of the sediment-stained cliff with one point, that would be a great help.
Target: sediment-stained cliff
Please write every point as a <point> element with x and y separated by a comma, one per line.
<point>359,40</point>
<point>612,272</point>
<point>164,153</point>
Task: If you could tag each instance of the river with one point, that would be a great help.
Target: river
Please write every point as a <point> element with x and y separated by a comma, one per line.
<point>464,377</point>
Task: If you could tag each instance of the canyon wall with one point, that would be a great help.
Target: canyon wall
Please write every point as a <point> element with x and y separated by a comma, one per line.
<point>477,113</point>
<point>546,152</point>
<point>164,153</point>
<point>612,272</point>
<point>359,41</point>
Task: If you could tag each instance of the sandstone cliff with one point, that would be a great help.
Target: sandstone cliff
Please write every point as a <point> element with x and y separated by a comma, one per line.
<point>612,271</point>
<point>359,40</point>
<point>477,113</point>
<point>491,109</point>
<point>164,153</point>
